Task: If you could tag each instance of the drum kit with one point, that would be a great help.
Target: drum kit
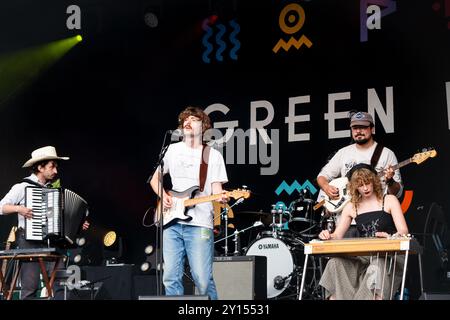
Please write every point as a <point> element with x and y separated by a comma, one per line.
<point>288,228</point>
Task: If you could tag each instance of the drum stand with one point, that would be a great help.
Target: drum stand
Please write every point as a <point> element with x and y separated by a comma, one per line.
<point>276,210</point>
<point>224,216</point>
<point>236,237</point>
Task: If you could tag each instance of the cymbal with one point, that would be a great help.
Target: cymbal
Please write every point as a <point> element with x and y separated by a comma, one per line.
<point>258,213</point>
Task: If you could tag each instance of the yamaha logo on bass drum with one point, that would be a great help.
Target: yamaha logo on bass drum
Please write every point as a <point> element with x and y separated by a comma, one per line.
<point>264,246</point>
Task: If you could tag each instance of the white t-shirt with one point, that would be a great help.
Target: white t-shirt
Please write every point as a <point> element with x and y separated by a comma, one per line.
<point>347,157</point>
<point>183,165</point>
<point>16,196</point>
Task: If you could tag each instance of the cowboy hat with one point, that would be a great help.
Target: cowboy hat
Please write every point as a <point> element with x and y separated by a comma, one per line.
<point>41,154</point>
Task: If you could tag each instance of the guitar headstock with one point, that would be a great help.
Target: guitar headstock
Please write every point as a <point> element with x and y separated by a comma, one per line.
<point>239,193</point>
<point>422,156</point>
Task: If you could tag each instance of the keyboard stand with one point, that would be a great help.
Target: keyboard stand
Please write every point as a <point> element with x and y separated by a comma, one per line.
<point>38,257</point>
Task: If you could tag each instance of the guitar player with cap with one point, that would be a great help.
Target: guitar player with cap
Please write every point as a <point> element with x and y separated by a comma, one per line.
<point>191,163</point>
<point>364,150</point>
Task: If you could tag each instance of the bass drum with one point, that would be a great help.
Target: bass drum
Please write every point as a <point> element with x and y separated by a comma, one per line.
<point>280,263</point>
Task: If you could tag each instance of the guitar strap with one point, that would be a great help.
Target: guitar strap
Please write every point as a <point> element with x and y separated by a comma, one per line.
<point>204,166</point>
<point>376,155</point>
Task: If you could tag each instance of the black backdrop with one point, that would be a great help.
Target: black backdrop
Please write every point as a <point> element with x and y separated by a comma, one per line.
<point>109,100</point>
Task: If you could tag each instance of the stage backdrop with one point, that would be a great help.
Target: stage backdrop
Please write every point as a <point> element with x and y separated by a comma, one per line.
<point>291,69</point>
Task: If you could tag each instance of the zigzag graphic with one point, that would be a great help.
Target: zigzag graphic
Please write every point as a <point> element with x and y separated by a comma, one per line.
<point>292,42</point>
<point>220,42</point>
<point>233,39</point>
<point>208,46</point>
<point>295,186</point>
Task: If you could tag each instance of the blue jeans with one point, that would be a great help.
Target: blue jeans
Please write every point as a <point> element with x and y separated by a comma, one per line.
<point>197,243</point>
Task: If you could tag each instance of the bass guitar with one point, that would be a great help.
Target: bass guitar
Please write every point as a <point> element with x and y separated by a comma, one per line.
<point>336,205</point>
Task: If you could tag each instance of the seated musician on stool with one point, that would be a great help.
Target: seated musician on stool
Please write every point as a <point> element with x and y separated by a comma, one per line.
<point>44,169</point>
<point>360,278</point>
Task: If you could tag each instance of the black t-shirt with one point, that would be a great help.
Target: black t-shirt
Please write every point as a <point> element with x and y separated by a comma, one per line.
<point>374,221</point>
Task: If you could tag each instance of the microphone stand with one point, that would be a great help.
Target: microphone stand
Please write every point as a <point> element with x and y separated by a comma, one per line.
<point>224,214</point>
<point>236,234</point>
<point>225,217</point>
<point>160,224</point>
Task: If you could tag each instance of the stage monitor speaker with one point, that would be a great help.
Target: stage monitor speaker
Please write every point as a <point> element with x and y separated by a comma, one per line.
<point>173,298</point>
<point>117,281</point>
<point>93,292</point>
<point>146,285</point>
<point>241,278</point>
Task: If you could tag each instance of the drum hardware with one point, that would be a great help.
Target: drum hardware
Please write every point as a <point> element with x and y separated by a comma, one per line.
<point>237,244</point>
<point>330,224</point>
<point>225,211</point>
<point>236,236</point>
<point>224,215</point>
<point>278,211</point>
<point>279,282</point>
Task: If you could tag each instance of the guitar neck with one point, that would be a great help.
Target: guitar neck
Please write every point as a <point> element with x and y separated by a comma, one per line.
<point>194,201</point>
<point>397,166</point>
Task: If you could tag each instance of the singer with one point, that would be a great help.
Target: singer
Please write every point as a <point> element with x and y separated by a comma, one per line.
<point>191,163</point>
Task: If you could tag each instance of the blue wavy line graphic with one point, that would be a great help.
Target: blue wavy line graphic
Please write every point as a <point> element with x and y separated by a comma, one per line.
<point>208,46</point>
<point>237,44</point>
<point>220,42</point>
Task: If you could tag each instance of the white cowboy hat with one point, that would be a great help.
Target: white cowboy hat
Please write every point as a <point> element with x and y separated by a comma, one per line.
<point>41,154</point>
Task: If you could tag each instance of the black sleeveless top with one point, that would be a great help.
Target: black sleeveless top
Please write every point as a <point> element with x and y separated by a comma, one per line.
<point>374,221</point>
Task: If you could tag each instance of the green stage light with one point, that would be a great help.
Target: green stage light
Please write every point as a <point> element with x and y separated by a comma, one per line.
<point>20,68</point>
<point>79,38</point>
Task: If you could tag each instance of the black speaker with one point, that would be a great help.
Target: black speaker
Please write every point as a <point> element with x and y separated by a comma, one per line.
<point>146,285</point>
<point>241,278</point>
<point>117,281</point>
<point>93,292</point>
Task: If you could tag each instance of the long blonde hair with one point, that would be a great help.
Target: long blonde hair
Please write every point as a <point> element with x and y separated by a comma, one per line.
<point>358,178</point>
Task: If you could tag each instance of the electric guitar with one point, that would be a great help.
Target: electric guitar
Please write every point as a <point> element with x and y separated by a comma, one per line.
<point>11,239</point>
<point>336,205</point>
<point>183,201</point>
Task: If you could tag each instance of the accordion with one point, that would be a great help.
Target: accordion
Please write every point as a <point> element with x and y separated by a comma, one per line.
<point>57,214</point>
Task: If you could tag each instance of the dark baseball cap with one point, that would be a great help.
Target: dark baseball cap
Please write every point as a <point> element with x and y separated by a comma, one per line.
<point>361,119</point>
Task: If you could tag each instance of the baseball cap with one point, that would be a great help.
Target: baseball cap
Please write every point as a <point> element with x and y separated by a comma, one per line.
<point>361,119</point>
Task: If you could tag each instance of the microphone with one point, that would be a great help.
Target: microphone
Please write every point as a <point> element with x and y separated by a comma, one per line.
<point>279,282</point>
<point>175,135</point>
